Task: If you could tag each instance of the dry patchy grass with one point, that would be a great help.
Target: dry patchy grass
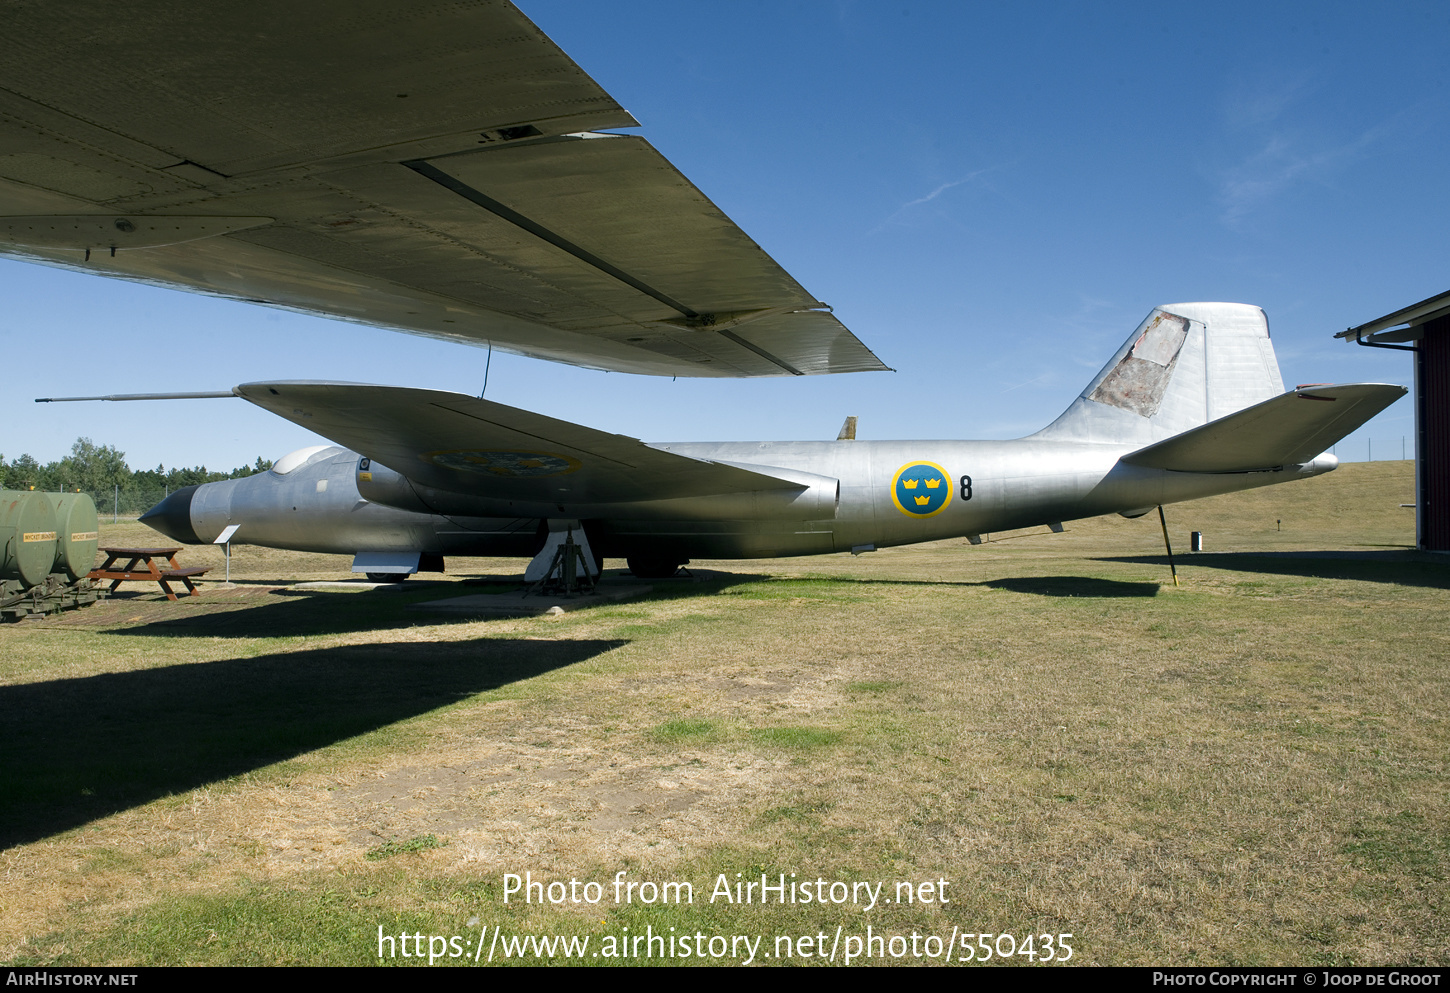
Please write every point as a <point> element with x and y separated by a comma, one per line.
<point>1249,768</point>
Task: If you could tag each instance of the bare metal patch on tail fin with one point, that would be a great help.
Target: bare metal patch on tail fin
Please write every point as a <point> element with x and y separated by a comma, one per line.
<point>1138,381</point>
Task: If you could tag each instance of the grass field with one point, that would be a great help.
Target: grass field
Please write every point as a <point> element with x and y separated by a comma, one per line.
<point>1249,768</point>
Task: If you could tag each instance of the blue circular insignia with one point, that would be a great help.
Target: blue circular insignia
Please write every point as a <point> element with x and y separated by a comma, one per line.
<point>921,489</point>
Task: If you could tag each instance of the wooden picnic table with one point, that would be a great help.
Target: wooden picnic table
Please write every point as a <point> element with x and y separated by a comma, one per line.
<point>141,566</point>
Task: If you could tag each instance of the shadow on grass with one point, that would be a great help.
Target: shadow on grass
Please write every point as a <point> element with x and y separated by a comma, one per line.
<point>78,749</point>
<point>1407,567</point>
<point>701,582</point>
<point>1074,586</point>
<point>1065,586</point>
<point>286,613</point>
<point>294,613</point>
<point>816,581</point>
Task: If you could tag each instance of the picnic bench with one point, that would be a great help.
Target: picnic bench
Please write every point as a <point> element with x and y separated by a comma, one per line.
<point>141,565</point>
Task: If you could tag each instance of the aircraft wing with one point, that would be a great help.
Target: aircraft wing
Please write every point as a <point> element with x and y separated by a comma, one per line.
<point>465,445</point>
<point>431,167</point>
<point>1287,430</point>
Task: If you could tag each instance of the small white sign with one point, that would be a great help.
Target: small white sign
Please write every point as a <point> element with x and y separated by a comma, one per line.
<point>226,535</point>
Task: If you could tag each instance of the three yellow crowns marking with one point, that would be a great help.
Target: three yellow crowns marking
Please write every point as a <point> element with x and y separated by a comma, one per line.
<point>915,476</point>
<point>931,484</point>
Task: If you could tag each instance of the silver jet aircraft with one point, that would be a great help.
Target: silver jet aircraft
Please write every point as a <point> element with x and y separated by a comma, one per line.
<point>1192,405</point>
<point>442,168</point>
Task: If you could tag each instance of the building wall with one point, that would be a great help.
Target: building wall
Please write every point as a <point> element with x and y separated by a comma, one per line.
<point>1432,399</point>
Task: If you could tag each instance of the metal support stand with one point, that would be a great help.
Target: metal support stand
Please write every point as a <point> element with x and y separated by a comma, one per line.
<point>568,571</point>
<point>1167,544</point>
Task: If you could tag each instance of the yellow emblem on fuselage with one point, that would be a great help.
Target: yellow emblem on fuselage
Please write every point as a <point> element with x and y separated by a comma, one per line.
<point>906,489</point>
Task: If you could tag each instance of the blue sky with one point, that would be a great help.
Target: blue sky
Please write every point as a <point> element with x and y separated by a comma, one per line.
<point>991,196</point>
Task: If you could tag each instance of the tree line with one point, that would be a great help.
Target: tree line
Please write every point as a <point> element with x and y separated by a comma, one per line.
<point>101,471</point>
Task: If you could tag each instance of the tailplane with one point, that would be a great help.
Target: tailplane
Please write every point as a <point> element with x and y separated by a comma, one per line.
<point>1290,429</point>
<point>1185,365</point>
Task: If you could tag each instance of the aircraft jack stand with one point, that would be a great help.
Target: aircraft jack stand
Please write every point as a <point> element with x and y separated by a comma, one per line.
<point>568,573</point>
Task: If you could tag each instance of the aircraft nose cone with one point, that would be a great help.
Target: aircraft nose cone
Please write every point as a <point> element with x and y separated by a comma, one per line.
<point>172,517</point>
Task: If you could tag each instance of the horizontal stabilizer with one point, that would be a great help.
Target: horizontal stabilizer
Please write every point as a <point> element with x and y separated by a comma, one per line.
<point>462,444</point>
<point>1290,429</point>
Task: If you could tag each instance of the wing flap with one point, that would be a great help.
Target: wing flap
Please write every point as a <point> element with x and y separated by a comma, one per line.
<point>1289,429</point>
<point>620,204</point>
<point>466,445</point>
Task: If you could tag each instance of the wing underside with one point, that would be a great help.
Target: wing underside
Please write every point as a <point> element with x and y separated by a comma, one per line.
<point>434,168</point>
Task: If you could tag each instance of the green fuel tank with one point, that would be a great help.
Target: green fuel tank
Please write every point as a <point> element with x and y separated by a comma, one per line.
<point>27,535</point>
<point>77,534</point>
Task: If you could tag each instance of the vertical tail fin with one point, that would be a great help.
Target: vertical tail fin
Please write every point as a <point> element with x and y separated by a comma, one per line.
<point>1185,365</point>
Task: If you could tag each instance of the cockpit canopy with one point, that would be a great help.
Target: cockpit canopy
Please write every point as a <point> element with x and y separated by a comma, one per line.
<point>299,458</point>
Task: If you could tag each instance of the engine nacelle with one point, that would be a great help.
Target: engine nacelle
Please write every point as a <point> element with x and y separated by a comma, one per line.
<point>812,498</point>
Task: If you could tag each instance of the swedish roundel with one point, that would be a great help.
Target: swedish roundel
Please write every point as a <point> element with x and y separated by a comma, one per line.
<point>921,489</point>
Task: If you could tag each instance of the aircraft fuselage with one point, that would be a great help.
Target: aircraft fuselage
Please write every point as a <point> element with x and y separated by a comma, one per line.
<point>862,495</point>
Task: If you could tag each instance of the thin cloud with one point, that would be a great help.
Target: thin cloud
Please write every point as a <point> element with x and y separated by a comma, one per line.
<point>894,215</point>
<point>1258,106</point>
<point>1279,165</point>
<point>1287,154</point>
<point>940,190</point>
<point>1027,383</point>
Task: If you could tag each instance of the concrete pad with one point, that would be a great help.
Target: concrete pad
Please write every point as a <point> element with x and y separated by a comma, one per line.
<point>521,603</point>
<point>347,584</point>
